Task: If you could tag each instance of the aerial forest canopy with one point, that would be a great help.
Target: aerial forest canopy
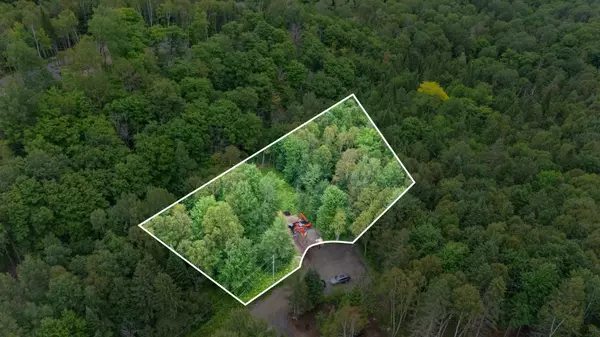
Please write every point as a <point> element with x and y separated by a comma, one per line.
<point>343,172</point>
<point>232,231</point>
<point>336,169</point>
<point>112,110</point>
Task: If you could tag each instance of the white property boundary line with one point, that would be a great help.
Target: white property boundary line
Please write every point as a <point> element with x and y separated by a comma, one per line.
<point>307,248</point>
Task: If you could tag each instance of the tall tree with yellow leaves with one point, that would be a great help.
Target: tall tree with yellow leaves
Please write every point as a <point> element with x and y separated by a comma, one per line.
<point>433,89</point>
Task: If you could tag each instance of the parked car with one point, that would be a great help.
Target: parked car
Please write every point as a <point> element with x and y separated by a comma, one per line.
<point>339,279</point>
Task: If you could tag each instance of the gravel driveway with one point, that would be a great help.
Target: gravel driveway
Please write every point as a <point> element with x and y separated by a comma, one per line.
<point>329,260</point>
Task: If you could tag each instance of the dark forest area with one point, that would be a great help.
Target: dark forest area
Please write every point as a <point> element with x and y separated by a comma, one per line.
<point>110,110</point>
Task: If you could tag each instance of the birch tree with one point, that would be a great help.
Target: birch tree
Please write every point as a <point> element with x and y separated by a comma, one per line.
<point>397,293</point>
<point>65,26</point>
<point>435,308</point>
<point>345,322</point>
<point>31,20</point>
<point>492,308</point>
<point>592,293</point>
<point>467,306</point>
<point>562,315</point>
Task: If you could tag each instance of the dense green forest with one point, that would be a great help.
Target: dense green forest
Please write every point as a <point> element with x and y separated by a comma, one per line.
<point>143,101</point>
<point>341,169</point>
<point>337,169</point>
<point>231,230</point>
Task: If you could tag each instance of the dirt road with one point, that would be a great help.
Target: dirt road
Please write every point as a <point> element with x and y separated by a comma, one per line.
<point>274,308</point>
<point>302,242</point>
<point>329,260</point>
<point>332,259</point>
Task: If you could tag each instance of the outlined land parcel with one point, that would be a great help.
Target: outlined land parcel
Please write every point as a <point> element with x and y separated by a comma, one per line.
<point>328,180</point>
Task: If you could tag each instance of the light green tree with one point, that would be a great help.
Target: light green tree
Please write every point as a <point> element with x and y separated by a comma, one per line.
<point>346,138</point>
<point>221,224</point>
<point>345,166</point>
<point>239,265</point>
<point>21,57</point>
<point>329,134</point>
<point>203,253</point>
<point>270,199</point>
<point>172,228</point>
<point>198,212</point>
<point>68,325</point>
<point>323,157</point>
<point>199,25</point>
<point>363,175</point>
<point>333,199</point>
<point>391,175</point>
<point>276,246</point>
<point>296,153</point>
<point>244,203</point>
<point>339,224</point>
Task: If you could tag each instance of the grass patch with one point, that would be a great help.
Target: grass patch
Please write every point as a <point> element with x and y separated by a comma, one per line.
<point>265,279</point>
<point>288,198</point>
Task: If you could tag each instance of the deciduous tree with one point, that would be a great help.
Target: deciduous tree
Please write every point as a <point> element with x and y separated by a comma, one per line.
<point>68,325</point>
<point>275,246</point>
<point>563,312</point>
<point>339,224</point>
<point>346,321</point>
<point>198,212</point>
<point>239,266</point>
<point>397,294</point>
<point>333,199</point>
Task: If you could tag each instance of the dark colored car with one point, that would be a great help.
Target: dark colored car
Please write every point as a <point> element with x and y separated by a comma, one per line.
<point>340,279</point>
